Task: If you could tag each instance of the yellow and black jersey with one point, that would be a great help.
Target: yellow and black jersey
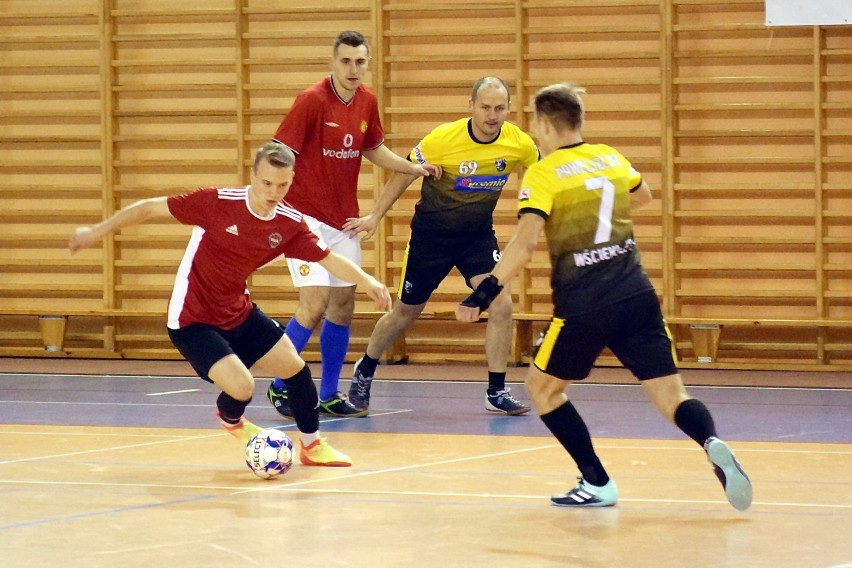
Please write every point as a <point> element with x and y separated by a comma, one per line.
<point>463,199</point>
<point>583,192</point>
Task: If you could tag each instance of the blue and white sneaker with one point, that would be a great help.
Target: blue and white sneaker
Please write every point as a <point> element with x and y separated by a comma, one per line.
<point>729,471</point>
<point>504,403</point>
<point>359,390</point>
<point>587,495</point>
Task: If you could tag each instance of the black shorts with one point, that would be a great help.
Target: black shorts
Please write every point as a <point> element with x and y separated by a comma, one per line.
<point>633,329</point>
<point>429,259</point>
<point>203,345</point>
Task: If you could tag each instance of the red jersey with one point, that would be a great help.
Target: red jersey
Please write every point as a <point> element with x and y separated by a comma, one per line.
<point>228,243</point>
<point>329,137</point>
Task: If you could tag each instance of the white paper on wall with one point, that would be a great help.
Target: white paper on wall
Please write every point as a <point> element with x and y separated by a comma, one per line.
<point>808,12</point>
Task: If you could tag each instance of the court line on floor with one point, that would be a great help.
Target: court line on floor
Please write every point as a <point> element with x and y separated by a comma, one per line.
<point>300,486</point>
<point>178,439</point>
<point>184,438</point>
<point>95,403</point>
<point>172,392</point>
<point>430,381</point>
<point>292,488</point>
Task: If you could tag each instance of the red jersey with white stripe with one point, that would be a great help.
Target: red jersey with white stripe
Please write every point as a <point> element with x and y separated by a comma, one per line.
<point>329,136</point>
<point>228,243</point>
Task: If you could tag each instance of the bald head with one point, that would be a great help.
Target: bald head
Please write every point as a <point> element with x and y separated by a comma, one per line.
<point>489,82</point>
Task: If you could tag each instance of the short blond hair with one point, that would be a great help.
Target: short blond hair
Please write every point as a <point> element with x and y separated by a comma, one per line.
<point>277,154</point>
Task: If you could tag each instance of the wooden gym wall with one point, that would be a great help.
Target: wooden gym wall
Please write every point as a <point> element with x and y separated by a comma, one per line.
<point>743,132</point>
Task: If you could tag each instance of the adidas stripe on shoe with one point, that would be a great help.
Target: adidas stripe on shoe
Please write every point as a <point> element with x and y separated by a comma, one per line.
<point>587,495</point>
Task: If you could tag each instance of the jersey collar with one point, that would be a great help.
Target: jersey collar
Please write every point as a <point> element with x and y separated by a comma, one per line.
<point>334,90</point>
<point>477,140</point>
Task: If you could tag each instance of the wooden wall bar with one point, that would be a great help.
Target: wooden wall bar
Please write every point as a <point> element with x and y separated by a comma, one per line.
<point>744,133</point>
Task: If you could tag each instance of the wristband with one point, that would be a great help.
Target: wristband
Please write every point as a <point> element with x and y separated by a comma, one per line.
<point>484,294</point>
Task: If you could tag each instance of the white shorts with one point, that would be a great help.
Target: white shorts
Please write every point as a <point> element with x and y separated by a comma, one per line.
<point>311,273</point>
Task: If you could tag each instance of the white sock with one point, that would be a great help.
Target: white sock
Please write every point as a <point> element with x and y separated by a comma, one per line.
<point>308,439</point>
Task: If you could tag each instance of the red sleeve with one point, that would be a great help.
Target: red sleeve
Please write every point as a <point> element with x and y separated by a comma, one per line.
<point>192,208</point>
<point>297,125</point>
<point>375,134</point>
<point>305,245</point>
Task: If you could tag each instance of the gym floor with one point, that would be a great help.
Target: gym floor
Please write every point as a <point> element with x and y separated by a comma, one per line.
<point>120,462</point>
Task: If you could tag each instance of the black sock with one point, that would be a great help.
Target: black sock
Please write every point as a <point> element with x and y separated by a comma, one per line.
<point>304,401</point>
<point>496,382</point>
<point>231,409</point>
<point>368,366</point>
<point>695,420</point>
<point>568,427</point>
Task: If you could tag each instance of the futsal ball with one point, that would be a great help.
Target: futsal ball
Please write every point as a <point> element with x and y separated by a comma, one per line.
<point>269,453</point>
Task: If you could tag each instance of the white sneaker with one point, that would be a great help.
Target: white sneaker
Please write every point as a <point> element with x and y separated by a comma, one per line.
<point>587,495</point>
<point>729,471</point>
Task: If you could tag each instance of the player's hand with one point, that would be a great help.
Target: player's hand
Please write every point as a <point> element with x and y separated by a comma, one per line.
<point>379,293</point>
<point>355,225</point>
<point>426,170</point>
<point>468,314</point>
<point>470,308</point>
<point>82,238</point>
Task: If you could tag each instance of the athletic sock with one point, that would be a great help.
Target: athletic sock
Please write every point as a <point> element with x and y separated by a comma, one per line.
<point>230,409</point>
<point>693,418</point>
<point>309,438</point>
<point>299,336</point>
<point>334,344</point>
<point>568,427</point>
<point>496,382</point>
<point>230,413</point>
<point>304,401</point>
<point>368,365</point>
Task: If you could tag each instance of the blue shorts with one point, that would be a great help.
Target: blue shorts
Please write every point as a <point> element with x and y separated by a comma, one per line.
<point>204,345</point>
<point>430,258</point>
<point>632,328</point>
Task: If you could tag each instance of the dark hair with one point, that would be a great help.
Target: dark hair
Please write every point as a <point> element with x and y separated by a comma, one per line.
<point>352,39</point>
<point>562,105</point>
<point>277,154</point>
<point>491,82</point>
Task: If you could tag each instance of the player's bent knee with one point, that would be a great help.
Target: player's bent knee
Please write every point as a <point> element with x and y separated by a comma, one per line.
<point>547,393</point>
<point>501,308</point>
<point>309,316</point>
<point>239,389</point>
<point>536,384</point>
<point>230,375</point>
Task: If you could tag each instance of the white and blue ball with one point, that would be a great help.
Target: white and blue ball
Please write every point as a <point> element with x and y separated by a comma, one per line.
<point>269,453</point>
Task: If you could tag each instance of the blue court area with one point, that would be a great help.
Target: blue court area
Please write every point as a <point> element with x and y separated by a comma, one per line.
<point>434,405</point>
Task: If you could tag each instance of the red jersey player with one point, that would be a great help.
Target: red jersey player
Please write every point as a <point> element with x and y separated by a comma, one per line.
<point>212,320</point>
<point>330,127</point>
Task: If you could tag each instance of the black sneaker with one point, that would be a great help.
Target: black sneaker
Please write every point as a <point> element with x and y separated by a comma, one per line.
<point>730,473</point>
<point>339,406</point>
<point>359,390</point>
<point>278,398</point>
<point>502,401</point>
<point>587,495</point>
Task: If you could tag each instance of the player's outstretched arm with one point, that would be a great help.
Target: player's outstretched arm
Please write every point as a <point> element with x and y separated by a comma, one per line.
<point>383,157</point>
<point>138,212</point>
<point>347,270</point>
<point>394,188</point>
<point>641,196</point>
